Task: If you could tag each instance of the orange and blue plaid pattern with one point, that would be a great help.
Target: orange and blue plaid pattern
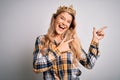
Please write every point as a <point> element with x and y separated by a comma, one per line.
<point>56,66</point>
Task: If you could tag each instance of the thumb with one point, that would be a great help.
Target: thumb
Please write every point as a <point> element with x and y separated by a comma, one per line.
<point>94,30</point>
<point>63,40</point>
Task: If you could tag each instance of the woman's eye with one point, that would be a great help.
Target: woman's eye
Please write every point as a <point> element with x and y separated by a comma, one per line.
<point>62,18</point>
<point>69,22</point>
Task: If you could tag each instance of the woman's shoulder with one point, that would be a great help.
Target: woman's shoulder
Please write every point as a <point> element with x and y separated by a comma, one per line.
<point>40,37</point>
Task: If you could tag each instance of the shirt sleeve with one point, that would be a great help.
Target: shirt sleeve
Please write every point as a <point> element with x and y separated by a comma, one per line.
<point>42,62</point>
<point>88,59</point>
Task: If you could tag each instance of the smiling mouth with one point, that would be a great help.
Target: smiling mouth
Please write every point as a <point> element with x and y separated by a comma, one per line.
<point>61,27</point>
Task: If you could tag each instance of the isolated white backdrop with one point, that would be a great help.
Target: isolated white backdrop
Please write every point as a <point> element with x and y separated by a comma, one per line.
<point>21,21</point>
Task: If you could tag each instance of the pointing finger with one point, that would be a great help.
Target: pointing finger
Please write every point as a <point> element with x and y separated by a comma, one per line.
<point>69,40</point>
<point>104,27</point>
<point>101,29</point>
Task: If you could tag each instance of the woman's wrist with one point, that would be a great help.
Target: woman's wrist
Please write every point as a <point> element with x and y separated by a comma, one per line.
<point>57,48</point>
<point>95,40</point>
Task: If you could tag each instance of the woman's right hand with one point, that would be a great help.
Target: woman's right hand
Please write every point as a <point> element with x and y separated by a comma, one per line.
<point>64,45</point>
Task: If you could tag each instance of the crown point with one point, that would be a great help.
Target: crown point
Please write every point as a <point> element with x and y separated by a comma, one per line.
<point>71,6</point>
<point>66,9</point>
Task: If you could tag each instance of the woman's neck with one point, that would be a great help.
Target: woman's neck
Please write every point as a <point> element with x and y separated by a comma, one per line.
<point>58,38</point>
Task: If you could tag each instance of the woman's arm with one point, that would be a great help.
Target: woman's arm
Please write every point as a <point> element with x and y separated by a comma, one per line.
<point>89,59</point>
<point>41,62</point>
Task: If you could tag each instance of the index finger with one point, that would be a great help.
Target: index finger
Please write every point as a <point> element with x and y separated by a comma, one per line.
<point>101,29</point>
<point>69,40</point>
<point>104,27</point>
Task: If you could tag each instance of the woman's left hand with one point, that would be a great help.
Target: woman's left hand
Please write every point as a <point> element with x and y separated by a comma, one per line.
<point>98,34</point>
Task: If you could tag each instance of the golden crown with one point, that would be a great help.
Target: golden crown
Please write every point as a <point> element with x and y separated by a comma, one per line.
<point>66,9</point>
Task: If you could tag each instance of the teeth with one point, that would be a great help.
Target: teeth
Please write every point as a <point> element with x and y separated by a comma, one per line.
<point>62,27</point>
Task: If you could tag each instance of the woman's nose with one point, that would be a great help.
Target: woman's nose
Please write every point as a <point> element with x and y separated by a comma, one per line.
<point>64,23</point>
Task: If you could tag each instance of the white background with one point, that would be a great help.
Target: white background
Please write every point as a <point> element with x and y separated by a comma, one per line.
<point>21,21</point>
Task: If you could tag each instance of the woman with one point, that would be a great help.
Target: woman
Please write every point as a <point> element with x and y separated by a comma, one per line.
<point>59,53</point>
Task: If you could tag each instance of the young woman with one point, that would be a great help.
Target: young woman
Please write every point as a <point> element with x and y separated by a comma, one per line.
<point>59,53</point>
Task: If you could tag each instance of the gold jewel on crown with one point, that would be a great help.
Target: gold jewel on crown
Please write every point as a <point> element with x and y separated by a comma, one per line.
<point>66,9</point>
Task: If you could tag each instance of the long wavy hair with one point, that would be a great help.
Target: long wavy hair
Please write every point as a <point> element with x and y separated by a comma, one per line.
<point>75,45</point>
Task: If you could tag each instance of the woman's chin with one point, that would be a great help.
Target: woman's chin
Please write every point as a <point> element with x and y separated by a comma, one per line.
<point>60,33</point>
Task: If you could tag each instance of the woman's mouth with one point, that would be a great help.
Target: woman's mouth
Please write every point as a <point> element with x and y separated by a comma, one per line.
<point>61,27</point>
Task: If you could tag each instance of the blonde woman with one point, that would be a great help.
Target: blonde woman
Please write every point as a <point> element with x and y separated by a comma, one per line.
<point>58,54</point>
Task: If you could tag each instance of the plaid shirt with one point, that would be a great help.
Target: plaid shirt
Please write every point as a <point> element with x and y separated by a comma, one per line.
<point>56,66</point>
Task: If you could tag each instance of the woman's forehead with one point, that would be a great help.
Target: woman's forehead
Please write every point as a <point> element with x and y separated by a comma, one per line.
<point>66,15</point>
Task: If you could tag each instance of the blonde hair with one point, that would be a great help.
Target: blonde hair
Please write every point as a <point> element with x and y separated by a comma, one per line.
<point>75,45</point>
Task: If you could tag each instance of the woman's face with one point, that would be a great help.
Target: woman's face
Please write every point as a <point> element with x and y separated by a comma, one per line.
<point>62,22</point>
